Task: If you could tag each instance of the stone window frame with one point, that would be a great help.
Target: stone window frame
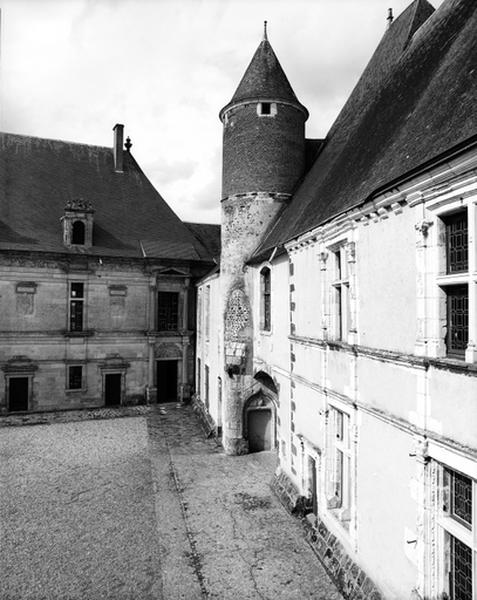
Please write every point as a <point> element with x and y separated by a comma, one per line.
<point>207,312</point>
<point>340,507</point>
<point>83,303</point>
<point>198,378</point>
<point>272,106</point>
<point>435,282</point>
<point>339,314</point>
<point>442,525</point>
<point>68,366</point>
<point>265,308</point>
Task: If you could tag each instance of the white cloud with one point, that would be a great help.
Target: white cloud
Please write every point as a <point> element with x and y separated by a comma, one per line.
<point>71,70</point>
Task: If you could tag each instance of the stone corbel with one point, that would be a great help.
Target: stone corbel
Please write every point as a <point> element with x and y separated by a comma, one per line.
<point>323,258</point>
<point>422,227</point>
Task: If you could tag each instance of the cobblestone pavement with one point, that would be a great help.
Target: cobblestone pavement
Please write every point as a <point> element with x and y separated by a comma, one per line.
<point>145,507</point>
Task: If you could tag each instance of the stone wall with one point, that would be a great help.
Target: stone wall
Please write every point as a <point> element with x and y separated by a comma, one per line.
<point>350,579</point>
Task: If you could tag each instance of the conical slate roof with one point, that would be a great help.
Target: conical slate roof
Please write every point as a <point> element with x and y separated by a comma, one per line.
<point>413,104</point>
<point>264,78</point>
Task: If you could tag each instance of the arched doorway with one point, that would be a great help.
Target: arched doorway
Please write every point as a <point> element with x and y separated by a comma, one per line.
<point>259,423</point>
<point>259,430</point>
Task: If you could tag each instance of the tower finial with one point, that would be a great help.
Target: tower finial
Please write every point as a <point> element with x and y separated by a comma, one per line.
<point>265,38</point>
<point>390,17</point>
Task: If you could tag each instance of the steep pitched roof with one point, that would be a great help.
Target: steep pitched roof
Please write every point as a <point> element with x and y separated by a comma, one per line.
<point>208,235</point>
<point>264,78</point>
<point>414,102</point>
<point>39,176</point>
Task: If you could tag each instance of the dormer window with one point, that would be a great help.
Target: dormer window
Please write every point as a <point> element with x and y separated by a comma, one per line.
<point>78,233</point>
<point>78,224</point>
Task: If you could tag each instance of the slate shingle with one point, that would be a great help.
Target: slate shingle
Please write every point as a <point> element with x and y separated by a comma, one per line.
<point>413,104</point>
<point>39,176</point>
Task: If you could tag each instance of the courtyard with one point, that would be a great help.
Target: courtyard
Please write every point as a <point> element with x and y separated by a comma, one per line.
<point>144,507</point>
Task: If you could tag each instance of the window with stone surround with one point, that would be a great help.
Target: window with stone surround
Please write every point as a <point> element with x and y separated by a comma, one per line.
<point>198,377</point>
<point>339,465</point>
<point>167,311</point>
<point>206,386</point>
<point>457,539</point>
<point>76,306</point>
<point>339,300</point>
<point>455,282</point>
<point>265,299</point>
<point>75,377</point>
<point>207,312</point>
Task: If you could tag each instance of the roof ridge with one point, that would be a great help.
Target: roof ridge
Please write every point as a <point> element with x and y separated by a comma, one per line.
<point>422,5</point>
<point>56,140</point>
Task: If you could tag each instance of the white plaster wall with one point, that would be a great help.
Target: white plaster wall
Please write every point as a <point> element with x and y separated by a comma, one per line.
<point>308,282</point>
<point>209,349</point>
<point>453,406</point>
<point>388,387</point>
<point>308,361</point>
<point>272,347</point>
<point>386,271</point>
<point>386,512</point>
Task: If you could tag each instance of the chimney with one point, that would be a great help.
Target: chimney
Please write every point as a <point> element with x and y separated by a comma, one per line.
<point>390,18</point>
<point>118,147</point>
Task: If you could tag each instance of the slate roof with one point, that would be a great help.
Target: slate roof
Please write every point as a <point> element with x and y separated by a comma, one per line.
<point>414,103</point>
<point>39,176</point>
<point>208,235</point>
<point>264,79</point>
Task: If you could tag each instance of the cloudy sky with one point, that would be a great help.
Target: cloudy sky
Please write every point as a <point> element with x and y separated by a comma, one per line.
<point>71,69</point>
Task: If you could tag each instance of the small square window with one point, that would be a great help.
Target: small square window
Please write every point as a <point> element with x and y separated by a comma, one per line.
<point>75,378</point>
<point>265,108</point>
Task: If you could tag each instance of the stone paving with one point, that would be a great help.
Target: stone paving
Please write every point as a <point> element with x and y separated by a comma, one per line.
<point>145,507</point>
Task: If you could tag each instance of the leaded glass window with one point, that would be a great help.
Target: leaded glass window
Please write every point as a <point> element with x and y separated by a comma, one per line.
<point>457,242</point>
<point>457,319</point>
<point>461,570</point>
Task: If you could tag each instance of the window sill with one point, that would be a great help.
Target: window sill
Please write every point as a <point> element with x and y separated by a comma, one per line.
<point>75,391</point>
<point>460,278</point>
<point>79,334</point>
<point>266,332</point>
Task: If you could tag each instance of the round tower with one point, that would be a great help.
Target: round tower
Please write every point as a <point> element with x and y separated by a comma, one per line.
<point>263,161</point>
<point>264,130</point>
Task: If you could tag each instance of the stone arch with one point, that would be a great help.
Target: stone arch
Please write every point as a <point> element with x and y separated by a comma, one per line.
<point>168,351</point>
<point>259,421</point>
<point>268,383</point>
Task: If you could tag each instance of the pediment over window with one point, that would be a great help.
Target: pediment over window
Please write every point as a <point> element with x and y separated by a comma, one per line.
<point>172,271</point>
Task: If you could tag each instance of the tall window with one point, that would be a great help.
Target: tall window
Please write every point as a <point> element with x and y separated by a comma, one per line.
<point>457,242</point>
<point>199,383</point>
<point>339,465</point>
<point>75,377</point>
<point>78,233</point>
<point>457,507</point>
<point>76,306</point>
<point>206,384</point>
<point>207,312</point>
<point>457,295</point>
<point>265,285</point>
<point>457,319</point>
<point>167,311</point>
<point>339,295</point>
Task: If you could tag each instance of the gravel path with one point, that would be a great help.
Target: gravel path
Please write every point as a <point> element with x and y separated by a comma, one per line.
<point>77,506</point>
<point>143,508</point>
